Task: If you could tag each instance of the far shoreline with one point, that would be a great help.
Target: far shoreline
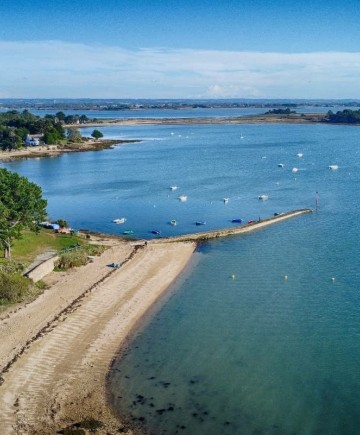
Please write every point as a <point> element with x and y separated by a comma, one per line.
<point>54,150</point>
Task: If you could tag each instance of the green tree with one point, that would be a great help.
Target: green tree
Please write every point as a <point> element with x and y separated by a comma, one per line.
<point>74,135</point>
<point>62,222</point>
<point>21,206</point>
<point>96,134</point>
<point>60,116</point>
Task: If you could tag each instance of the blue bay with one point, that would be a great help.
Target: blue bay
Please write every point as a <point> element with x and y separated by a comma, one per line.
<point>258,354</point>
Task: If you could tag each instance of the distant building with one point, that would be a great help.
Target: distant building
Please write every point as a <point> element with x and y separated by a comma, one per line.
<point>31,141</point>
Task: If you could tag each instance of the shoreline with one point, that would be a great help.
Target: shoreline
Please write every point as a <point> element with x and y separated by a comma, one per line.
<point>57,351</point>
<point>57,150</point>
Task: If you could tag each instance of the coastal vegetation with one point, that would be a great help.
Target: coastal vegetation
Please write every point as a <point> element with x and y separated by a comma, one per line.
<point>77,257</point>
<point>346,116</point>
<point>96,134</point>
<point>16,126</point>
<point>280,111</point>
<point>14,287</point>
<point>21,206</point>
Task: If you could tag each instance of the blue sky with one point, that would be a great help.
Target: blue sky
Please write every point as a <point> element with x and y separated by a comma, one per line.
<point>180,49</point>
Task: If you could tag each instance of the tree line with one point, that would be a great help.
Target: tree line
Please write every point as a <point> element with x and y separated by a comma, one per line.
<point>346,116</point>
<point>15,126</point>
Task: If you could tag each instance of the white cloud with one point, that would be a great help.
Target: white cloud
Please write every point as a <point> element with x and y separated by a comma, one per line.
<point>61,69</point>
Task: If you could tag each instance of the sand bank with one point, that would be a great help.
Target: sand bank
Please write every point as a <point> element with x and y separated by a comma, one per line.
<point>250,119</point>
<point>56,352</point>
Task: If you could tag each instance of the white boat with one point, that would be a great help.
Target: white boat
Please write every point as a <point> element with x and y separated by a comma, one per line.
<point>334,167</point>
<point>173,187</point>
<point>173,222</point>
<point>226,200</point>
<point>294,170</point>
<point>183,198</point>
<point>280,165</point>
<point>263,197</point>
<point>119,220</point>
<point>299,154</point>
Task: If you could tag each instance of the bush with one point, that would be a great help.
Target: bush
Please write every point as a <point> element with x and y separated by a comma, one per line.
<point>62,222</point>
<point>13,287</point>
<point>78,257</point>
<point>11,266</point>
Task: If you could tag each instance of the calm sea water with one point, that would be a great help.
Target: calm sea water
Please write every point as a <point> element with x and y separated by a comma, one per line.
<point>257,354</point>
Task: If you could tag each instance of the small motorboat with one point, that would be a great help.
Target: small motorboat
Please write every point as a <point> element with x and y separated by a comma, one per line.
<point>156,232</point>
<point>280,165</point>
<point>183,198</point>
<point>263,197</point>
<point>128,232</point>
<point>299,155</point>
<point>237,220</point>
<point>119,220</point>
<point>173,222</point>
<point>200,223</point>
<point>251,222</point>
<point>226,200</point>
<point>173,187</point>
<point>334,167</point>
<point>294,170</point>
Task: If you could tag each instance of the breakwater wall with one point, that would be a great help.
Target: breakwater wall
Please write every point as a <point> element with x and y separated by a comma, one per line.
<point>239,229</point>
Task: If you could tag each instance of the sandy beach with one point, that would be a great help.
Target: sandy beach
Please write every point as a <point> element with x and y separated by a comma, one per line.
<point>56,351</point>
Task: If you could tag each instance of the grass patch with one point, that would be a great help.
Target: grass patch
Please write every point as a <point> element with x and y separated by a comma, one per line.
<point>31,244</point>
<point>78,257</point>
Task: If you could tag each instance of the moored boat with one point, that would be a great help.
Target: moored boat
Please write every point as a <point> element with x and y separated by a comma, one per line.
<point>128,232</point>
<point>200,223</point>
<point>156,232</point>
<point>263,197</point>
<point>173,222</point>
<point>119,220</point>
<point>183,198</point>
<point>237,220</point>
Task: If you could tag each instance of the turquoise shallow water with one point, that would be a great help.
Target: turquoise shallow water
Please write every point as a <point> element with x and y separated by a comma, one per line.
<point>253,355</point>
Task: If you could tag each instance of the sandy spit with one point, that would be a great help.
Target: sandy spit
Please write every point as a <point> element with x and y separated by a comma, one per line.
<point>56,352</point>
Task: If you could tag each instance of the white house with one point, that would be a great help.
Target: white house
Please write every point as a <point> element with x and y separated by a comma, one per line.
<point>31,141</point>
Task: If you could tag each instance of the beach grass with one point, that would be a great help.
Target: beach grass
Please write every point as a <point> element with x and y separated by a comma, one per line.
<point>31,244</point>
